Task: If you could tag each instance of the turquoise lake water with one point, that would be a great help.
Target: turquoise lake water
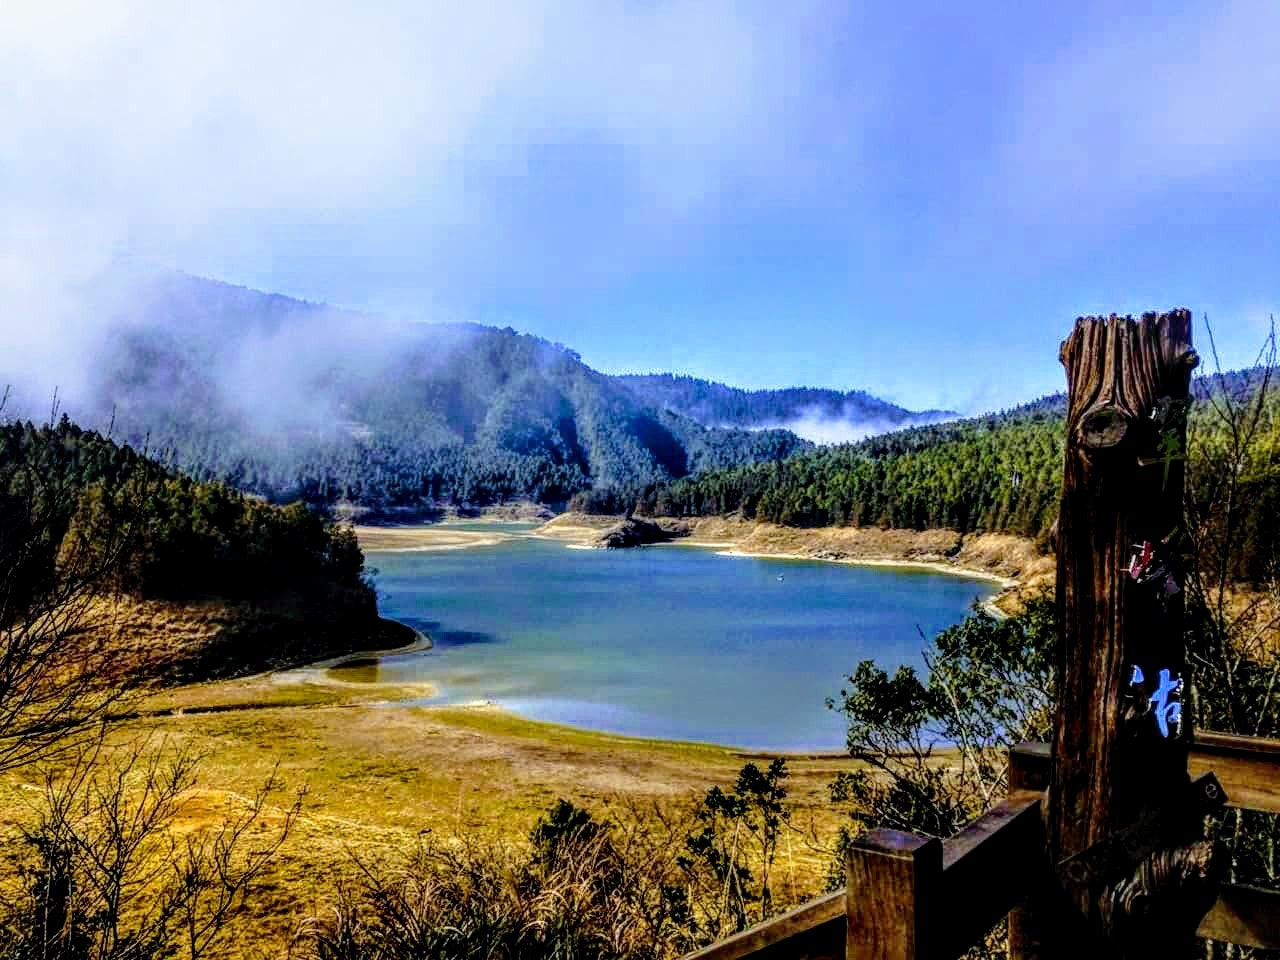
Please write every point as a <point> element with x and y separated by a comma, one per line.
<point>669,641</point>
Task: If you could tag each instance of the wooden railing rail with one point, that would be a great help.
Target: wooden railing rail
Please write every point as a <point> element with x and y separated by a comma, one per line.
<point>812,931</point>
<point>923,899</point>
<point>948,894</point>
<point>1247,767</point>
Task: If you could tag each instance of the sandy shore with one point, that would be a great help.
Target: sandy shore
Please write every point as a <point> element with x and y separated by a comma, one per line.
<point>996,605</point>
<point>424,537</point>
<point>1011,562</point>
<point>936,566</point>
<point>579,529</point>
<point>360,669</point>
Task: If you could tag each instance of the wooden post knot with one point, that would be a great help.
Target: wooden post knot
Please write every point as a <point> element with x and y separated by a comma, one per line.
<point>1188,360</point>
<point>1076,871</point>
<point>1212,791</point>
<point>1103,427</point>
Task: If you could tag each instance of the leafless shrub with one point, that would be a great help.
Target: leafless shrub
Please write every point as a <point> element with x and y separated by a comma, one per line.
<point>1233,588</point>
<point>114,872</point>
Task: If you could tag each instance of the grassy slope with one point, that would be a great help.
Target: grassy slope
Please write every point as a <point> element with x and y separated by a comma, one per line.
<point>158,642</point>
<point>377,776</point>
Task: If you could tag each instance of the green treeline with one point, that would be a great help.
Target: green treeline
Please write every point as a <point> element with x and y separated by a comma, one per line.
<point>709,402</point>
<point>398,469</point>
<point>1000,472</point>
<point>156,534</point>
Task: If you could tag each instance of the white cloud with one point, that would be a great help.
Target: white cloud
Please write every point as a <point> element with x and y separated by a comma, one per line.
<point>197,115</point>
<point>239,131</point>
<point>834,430</point>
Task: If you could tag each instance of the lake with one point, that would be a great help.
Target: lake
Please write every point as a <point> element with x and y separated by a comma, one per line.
<point>669,641</point>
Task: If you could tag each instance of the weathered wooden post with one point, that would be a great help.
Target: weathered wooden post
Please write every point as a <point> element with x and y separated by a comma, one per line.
<point>894,880</point>
<point>1131,873</point>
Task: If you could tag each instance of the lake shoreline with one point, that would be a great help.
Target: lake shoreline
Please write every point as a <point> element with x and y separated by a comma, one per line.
<point>1012,562</point>
<point>931,566</point>
<point>891,547</point>
<point>422,538</point>
<point>562,596</point>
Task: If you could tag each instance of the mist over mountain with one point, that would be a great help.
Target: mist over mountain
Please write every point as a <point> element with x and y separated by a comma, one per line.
<point>290,399</point>
<point>820,416</point>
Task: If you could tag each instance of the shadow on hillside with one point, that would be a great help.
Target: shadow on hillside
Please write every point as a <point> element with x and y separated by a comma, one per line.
<point>442,637</point>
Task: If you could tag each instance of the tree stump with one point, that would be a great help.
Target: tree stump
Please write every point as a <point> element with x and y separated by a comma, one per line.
<point>1120,743</point>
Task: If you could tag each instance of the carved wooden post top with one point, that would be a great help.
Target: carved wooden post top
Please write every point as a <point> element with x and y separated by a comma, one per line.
<point>1118,367</point>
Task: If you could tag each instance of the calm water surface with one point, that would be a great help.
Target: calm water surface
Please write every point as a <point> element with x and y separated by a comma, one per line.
<point>669,641</point>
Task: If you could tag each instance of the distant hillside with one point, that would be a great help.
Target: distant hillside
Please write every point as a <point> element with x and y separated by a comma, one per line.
<point>290,400</point>
<point>998,473</point>
<point>791,408</point>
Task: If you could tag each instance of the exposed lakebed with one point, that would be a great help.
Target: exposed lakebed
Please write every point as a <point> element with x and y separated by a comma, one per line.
<point>671,641</point>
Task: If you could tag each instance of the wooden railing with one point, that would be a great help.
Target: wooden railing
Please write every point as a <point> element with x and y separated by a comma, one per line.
<point>924,899</point>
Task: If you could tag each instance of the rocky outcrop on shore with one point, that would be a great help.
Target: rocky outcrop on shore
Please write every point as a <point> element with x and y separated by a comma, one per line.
<point>635,532</point>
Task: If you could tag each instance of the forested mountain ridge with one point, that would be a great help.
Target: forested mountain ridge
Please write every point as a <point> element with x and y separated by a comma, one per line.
<point>715,403</point>
<point>292,400</point>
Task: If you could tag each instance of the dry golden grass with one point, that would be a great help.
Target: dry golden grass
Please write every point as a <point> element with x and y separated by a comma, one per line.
<point>377,774</point>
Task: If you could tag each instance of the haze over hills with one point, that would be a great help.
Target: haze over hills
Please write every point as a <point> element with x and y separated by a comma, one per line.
<point>291,399</point>
<point>822,416</point>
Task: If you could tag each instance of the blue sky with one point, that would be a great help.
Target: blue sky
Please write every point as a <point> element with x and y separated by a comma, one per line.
<point>916,202</point>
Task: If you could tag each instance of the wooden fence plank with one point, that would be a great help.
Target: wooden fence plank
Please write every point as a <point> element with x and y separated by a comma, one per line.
<point>1247,767</point>
<point>1249,916</point>
<point>1029,768</point>
<point>988,868</point>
